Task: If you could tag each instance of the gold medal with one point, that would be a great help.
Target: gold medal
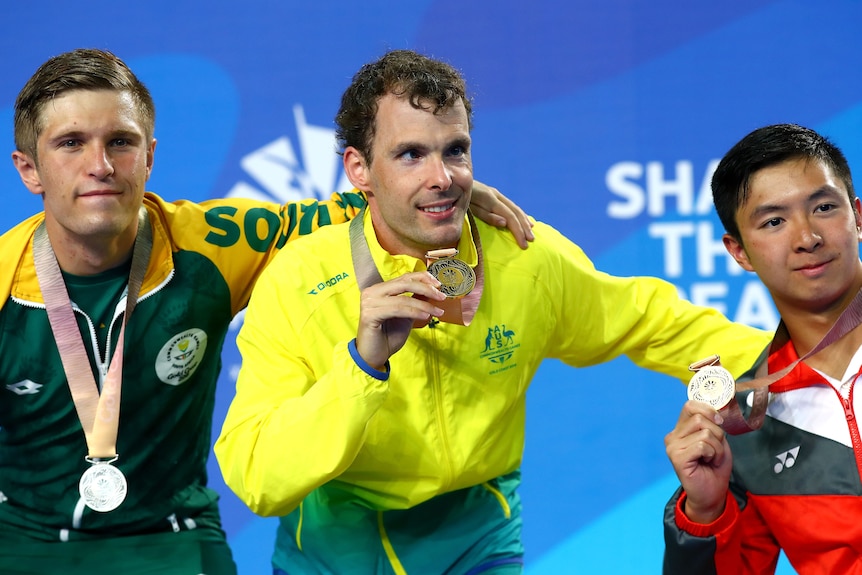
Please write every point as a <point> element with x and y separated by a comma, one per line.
<point>712,384</point>
<point>457,279</point>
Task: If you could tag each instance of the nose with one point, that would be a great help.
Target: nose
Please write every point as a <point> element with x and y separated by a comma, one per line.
<point>99,163</point>
<point>440,175</point>
<point>808,237</point>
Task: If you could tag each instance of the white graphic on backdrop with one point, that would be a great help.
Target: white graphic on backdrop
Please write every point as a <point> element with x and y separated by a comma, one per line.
<point>282,175</point>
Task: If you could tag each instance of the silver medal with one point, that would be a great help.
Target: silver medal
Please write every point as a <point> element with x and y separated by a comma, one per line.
<point>713,385</point>
<point>457,278</point>
<point>102,487</point>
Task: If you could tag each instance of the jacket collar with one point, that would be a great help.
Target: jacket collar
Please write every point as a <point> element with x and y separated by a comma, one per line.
<point>25,286</point>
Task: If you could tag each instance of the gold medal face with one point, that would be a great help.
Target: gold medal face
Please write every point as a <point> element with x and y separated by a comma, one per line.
<point>456,277</point>
<point>102,487</point>
<point>713,385</point>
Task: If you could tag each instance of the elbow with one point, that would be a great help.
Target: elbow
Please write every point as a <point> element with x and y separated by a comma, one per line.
<point>247,481</point>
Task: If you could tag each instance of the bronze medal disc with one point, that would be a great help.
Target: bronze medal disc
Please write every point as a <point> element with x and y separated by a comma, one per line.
<point>713,385</point>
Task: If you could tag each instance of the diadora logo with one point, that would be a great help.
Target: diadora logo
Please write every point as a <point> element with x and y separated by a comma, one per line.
<point>180,357</point>
<point>500,346</point>
<point>282,175</point>
<point>25,387</point>
<point>786,459</point>
<point>328,283</point>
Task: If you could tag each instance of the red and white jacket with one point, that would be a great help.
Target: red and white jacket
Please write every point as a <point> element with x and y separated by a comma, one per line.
<point>795,485</point>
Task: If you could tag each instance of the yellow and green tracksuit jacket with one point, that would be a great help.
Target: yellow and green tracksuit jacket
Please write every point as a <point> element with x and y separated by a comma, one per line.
<point>307,419</point>
<point>205,260</point>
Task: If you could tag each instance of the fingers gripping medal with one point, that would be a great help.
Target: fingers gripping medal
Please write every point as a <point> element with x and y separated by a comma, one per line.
<point>457,279</point>
<point>102,486</point>
<point>711,384</point>
<point>714,385</point>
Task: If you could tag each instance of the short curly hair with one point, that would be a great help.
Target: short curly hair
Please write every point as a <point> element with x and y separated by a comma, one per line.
<point>428,84</point>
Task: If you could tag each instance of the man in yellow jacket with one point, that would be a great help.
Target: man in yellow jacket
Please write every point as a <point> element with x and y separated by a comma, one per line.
<point>381,402</point>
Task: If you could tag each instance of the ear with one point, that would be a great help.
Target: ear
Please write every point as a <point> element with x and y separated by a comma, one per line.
<point>28,171</point>
<point>737,252</point>
<point>356,169</point>
<point>151,153</point>
<point>857,214</point>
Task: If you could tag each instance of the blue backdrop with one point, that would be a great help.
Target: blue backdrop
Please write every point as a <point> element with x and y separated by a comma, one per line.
<point>602,117</point>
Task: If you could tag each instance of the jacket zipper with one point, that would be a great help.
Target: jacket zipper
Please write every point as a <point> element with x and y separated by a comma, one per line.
<point>439,411</point>
<point>101,362</point>
<point>105,359</point>
<point>853,424</point>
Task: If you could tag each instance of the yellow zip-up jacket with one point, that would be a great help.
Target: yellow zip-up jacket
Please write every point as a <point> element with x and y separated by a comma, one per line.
<point>451,413</point>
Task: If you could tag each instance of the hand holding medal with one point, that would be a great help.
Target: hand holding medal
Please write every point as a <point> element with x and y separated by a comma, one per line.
<point>714,385</point>
<point>457,280</point>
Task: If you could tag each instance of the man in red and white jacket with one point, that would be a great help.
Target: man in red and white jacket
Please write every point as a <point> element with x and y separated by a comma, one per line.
<point>785,196</point>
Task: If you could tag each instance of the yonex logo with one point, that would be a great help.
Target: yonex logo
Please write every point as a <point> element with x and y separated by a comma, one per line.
<point>786,459</point>
<point>25,387</point>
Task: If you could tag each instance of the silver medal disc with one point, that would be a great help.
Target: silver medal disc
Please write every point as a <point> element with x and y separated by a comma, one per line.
<point>713,385</point>
<point>456,277</point>
<point>102,487</point>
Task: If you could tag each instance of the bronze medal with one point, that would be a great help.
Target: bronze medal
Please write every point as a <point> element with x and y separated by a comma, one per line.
<point>712,384</point>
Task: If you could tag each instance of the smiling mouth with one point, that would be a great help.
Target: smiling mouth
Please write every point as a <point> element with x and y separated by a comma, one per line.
<point>438,209</point>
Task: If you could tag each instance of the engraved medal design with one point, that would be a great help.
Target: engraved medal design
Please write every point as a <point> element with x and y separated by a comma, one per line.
<point>712,384</point>
<point>457,278</point>
<point>102,487</point>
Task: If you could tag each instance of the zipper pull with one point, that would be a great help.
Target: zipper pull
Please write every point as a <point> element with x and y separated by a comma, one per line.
<point>175,525</point>
<point>848,409</point>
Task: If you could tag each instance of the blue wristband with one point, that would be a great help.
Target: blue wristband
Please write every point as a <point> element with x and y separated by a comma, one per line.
<point>363,365</point>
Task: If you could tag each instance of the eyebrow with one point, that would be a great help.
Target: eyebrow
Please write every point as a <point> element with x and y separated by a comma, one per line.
<point>75,133</point>
<point>822,193</point>
<point>402,147</point>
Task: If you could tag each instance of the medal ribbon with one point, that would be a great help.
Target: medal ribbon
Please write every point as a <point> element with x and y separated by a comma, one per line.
<point>456,310</point>
<point>99,413</point>
<point>735,421</point>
